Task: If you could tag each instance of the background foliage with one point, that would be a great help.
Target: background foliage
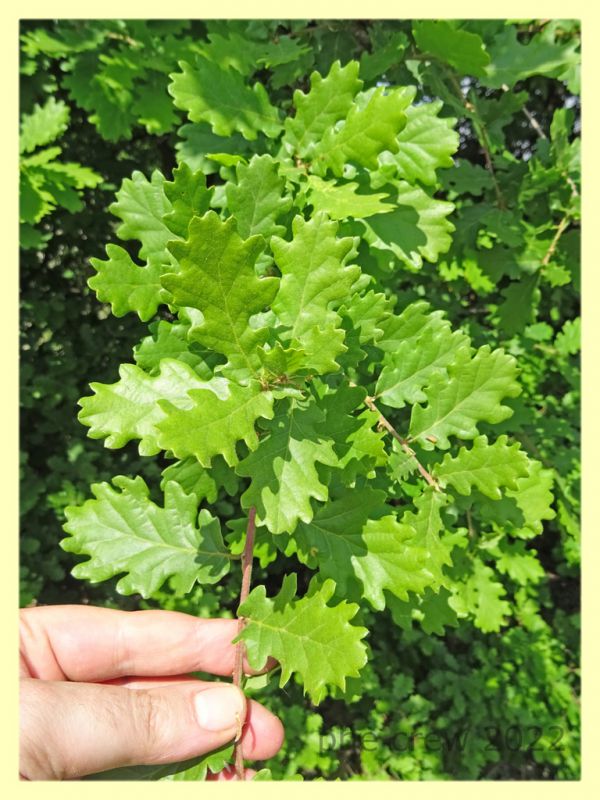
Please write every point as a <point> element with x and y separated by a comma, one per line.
<point>492,694</point>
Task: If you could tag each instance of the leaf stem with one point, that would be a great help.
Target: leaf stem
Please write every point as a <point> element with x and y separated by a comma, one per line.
<point>385,423</point>
<point>238,668</point>
<point>562,226</point>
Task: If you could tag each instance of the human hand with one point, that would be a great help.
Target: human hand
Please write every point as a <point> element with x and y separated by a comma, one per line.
<point>102,688</point>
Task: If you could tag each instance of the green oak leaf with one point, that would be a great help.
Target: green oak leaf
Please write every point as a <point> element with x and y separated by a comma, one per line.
<point>315,278</point>
<point>436,613</point>
<point>35,202</point>
<point>328,101</point>
<point>216,275</point>
<point>487,467</point>
<point>257,200</point>
<point>568,339</point>
<point>211,425</point>
<point>306,636</point>
<point>467,178</point>
<point>369,128</point>
<point>197,144</point>
<point>354,537</point>
<point>246,55</point>
<point>281,362</point>
<point>153,107</point>
<point>400,463</point>
<point>45,124</point>
<point>283,470</point>
<point>220,97</point>
<point>427,522</point>
<point>368,312</point>
<point>374,65</point>
<point>189,197</point>
<point>126,532</point>
<point>106,98</point>
<point>481,596</point>
<point>126,286</point>
<point>462,50</point>
<point>129,409</point>
<point>471,392</point>
<point>196,479</point>
<point>426,144</point>
<point>340,200</point>
<point>414,364</point>
<point>534,498</point>
<point>170,340</point>
<point>512,61</point>
<point>412,323</point>
<point>417,230</point>
<point>519,564</point>
<point>142,205</point>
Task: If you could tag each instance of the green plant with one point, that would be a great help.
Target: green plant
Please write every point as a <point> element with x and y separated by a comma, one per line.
<point>299,387</point>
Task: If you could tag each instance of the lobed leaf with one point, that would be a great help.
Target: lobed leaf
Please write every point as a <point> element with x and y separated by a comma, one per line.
<point>216,276</point>
<point>306,636</point>
<point>487,467</point>
<point>471,393</point>
<point>124,531</point>
<point>282,469</point>
<point>129,409</point>
<point>219,96</point>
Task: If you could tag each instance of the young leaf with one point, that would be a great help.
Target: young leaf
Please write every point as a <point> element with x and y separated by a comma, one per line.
<point>534,498</point>
<point>463,50</point>
<point>126,532</point>
<point>283,470</point>
<point>257,201</point>
<point>209,425</point>
<point>141,205</point>
<point>306,635</point>
<point>471,393</point>
<point>416,230</point>
<point>481,596</point>
<point>125,285</point>
<point>340,201</point>
<point>45,124</point>
<point>170,340</point>
<point>428,524</point>
<point>129,409</point>
<point>189,197</point>
<point>328,101</point>
<point>353,537</point>
<point>217,277</point>
<point>220,97</point>
<point>485,466</point>
<point>414,364</point>
<point>315,277</point>
<point>366,132</point>
<point>426,144</point>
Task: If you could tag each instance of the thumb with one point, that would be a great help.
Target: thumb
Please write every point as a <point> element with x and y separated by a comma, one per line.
<point>74,729</point>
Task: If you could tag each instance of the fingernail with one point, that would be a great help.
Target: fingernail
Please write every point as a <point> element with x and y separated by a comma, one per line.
<point>220,709</point>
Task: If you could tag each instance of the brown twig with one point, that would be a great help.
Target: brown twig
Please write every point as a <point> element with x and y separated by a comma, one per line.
<point>385,423</point>
<point>562,226</point>
<point>238,668</point>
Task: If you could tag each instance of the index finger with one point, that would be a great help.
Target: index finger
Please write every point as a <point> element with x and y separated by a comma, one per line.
<point>88,643</point>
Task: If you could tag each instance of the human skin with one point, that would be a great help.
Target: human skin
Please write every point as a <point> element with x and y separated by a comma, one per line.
<point>102,688</point>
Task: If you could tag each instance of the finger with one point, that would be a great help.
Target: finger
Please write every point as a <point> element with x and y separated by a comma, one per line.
<point>263,733</point>
<point>73,729</point>
<point>86,643</point>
